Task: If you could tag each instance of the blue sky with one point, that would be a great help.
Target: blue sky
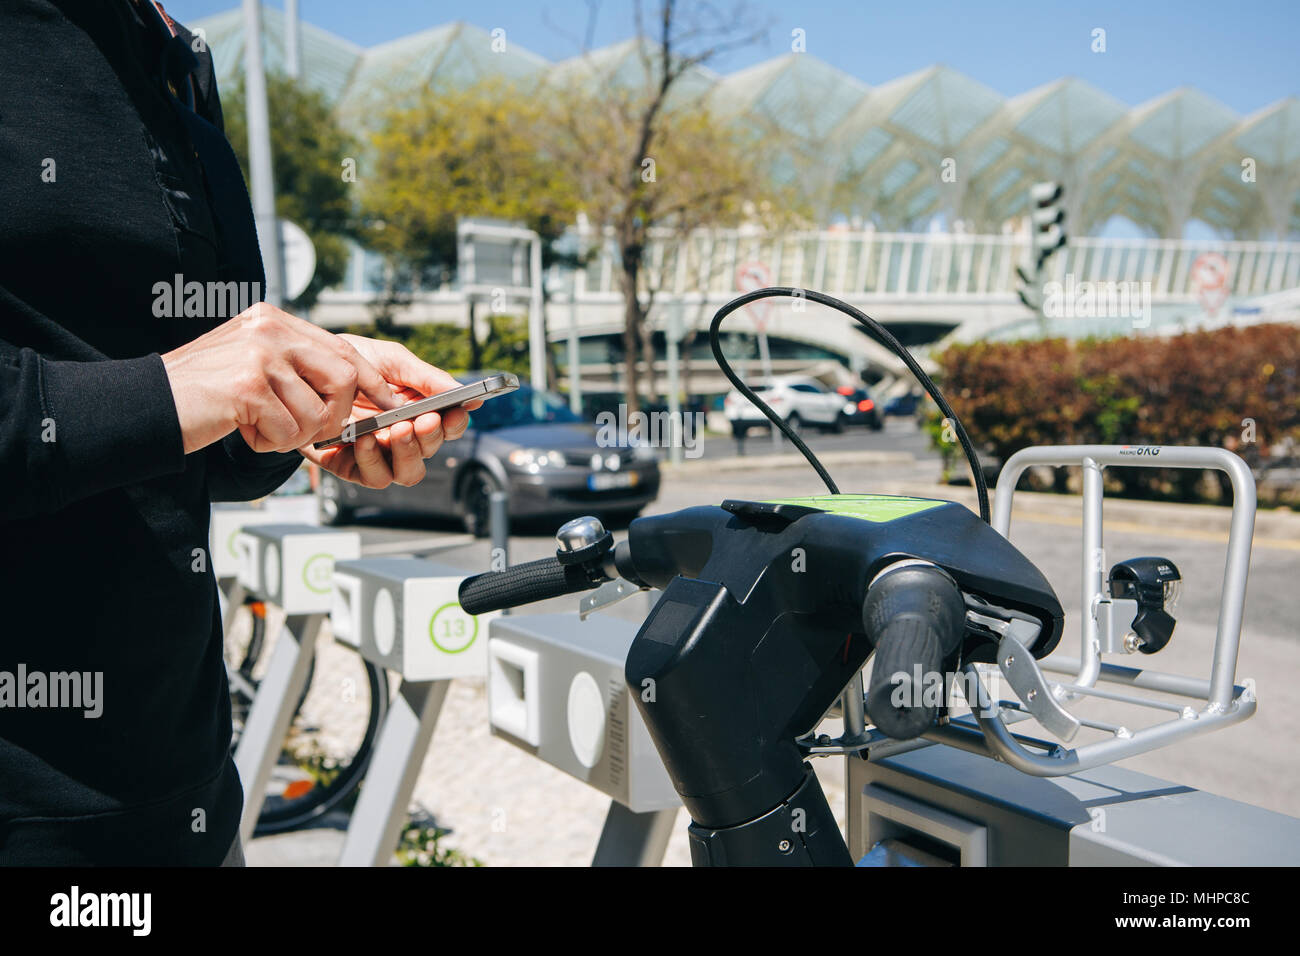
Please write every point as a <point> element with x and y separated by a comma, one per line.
<point>1242,54</point>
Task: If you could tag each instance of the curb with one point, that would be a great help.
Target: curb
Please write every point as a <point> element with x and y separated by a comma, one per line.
<point>793,460</point>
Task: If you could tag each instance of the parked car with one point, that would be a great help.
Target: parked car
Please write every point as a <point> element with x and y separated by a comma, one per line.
<point>905,404</point>
<point>798,399</point>
<point>526,443</point>
<point>860,408</point>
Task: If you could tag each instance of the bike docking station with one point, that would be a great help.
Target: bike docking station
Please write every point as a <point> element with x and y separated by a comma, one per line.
<point>993,797</point>
<point>228,520</point>
<point>292,566</point>
<point>556,690</point>
<point>403,614</point>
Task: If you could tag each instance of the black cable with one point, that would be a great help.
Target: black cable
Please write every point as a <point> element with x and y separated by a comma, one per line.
<point>881,335</point>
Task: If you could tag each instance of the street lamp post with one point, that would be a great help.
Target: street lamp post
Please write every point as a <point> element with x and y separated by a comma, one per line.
<point>259,156</point>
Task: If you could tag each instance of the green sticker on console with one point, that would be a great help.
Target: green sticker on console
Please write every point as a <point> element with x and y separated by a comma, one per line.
<point>877,508</point>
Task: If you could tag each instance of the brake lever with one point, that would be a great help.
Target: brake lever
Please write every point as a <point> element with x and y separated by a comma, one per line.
<point>1020,669</point>
<point>609,593</point>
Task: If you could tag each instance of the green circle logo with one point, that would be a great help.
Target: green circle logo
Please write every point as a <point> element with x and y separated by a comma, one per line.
<point>318,573</point>
<point>230,542</point>
<point>452,630</point>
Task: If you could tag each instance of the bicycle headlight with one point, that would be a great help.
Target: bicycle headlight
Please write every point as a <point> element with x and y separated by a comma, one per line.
<point>1155,584</point>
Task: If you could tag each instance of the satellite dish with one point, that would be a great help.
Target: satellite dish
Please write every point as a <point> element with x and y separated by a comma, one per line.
<point>299,259</point>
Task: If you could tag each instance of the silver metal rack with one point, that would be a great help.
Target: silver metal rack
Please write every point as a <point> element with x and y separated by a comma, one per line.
<point>1199,705</point>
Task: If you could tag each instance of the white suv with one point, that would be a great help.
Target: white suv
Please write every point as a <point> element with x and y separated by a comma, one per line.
<point>798,399</point>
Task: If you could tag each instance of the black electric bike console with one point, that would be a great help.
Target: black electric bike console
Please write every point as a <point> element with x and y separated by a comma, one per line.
<point>769,609</point>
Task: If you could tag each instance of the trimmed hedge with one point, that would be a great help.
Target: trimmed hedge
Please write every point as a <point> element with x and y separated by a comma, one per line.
<point>1197,388</point>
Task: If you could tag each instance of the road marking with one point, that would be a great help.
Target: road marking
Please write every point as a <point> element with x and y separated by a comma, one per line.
<point>1133,527</point>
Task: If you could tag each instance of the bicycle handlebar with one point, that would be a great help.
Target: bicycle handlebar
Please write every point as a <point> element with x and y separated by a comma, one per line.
<point>915,615</point>
<point>768,610</point>
<point>523,584</point>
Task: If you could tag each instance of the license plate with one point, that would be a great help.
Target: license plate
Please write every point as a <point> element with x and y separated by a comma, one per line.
<point>609,480</point>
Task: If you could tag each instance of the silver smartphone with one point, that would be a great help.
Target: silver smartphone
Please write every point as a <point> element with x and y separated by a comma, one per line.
<point>489,387</point>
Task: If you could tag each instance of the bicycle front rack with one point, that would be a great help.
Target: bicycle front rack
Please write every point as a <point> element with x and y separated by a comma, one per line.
<point>1198,705</point>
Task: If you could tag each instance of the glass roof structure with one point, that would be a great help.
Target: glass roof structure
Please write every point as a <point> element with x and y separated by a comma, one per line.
<point>935,143</point>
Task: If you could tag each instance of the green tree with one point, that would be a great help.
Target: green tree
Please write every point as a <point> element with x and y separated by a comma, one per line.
<point>452,154</point>
<point>308,150</point>
<point>505,348</point>
<point>649,157</point>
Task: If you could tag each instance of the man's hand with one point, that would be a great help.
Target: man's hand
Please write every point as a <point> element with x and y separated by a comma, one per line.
<point>397,453</point>
<point>281,381</point>
<point>285,383</point>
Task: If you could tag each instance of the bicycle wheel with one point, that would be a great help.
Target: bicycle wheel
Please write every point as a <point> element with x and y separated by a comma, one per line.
<point>243,647</point>
<point>330,742</point>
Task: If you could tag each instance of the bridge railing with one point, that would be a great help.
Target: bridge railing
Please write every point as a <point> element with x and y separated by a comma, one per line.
<point>867,264</point>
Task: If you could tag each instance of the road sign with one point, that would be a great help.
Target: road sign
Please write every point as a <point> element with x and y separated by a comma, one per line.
<point>1210,281</point>
<point>299,259</point>
<point>750,277</point>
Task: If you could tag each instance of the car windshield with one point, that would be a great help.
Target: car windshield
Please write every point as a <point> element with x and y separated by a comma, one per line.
<point>524,406</point>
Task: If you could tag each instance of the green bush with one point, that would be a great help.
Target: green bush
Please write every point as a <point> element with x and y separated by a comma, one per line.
<point>1235,388</point>
<point>420,845</point>
<point>504,348</point>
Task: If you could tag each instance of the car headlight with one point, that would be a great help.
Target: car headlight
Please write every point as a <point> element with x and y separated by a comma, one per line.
<point>535,459</point>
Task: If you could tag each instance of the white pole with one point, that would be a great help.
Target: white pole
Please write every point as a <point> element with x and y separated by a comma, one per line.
<point>674,381</point>
<point>575,365</point>
<point>259,155</point>
<point>536,328</point>
<point>292,44</point>
<point>765,360</point>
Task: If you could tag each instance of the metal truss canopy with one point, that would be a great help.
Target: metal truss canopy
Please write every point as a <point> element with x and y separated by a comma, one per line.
<point>934,143</point>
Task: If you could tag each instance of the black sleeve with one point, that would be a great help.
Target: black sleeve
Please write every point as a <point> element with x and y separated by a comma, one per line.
<point>69,430</point>
<point>237,473</point>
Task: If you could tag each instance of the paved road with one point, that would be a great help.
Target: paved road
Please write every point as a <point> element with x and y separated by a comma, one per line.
<point>899,434</point>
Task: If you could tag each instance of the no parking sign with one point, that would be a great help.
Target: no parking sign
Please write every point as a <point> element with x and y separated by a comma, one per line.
<point>1210,281</point>
<point>750,277</point>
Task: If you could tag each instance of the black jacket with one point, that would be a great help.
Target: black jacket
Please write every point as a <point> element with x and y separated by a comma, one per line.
<point>103,196</point>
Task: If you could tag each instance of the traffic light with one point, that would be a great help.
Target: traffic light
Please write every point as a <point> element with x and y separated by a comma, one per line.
<point>1047,220</point>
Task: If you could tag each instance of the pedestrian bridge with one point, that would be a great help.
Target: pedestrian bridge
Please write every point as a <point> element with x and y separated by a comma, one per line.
<point>924,286</point>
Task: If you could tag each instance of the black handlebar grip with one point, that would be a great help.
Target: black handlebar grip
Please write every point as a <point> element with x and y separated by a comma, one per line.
<point>522,584</point>
<point>915,615</point>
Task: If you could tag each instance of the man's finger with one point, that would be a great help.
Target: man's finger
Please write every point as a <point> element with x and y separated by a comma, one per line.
<point>317,416</point>
<point>401,367</point>
<point>454,422</point>
<point>372,465</point>
<point>369,380</point>
<point>428,432</point>
<point>407,463</point>
<point>332,377</point>
<point>274,429</point>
